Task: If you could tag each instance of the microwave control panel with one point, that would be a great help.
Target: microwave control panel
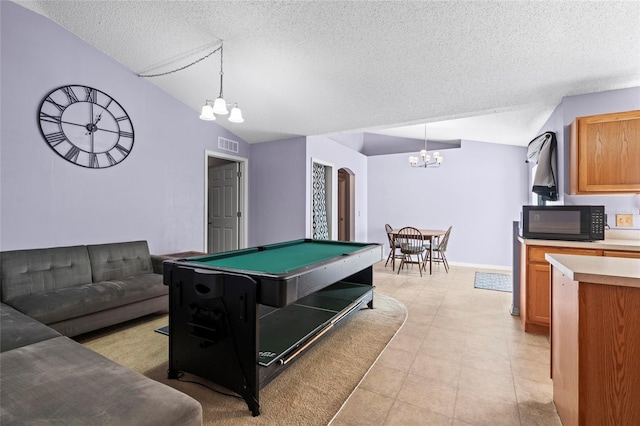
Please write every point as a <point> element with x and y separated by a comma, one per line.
<point>597,223</point>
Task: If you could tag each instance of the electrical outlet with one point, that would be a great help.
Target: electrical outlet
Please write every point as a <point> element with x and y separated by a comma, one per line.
<point>624,220</point>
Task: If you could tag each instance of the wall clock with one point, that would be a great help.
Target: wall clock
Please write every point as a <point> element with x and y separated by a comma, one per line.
<point>85,126</point>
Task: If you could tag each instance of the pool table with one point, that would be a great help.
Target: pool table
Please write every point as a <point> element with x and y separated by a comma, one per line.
<point>239,318</point>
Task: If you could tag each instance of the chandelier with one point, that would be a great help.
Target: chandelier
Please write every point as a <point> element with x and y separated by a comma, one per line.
<point>219,106</point>
<point>210,108</point>
<point>425,159</point>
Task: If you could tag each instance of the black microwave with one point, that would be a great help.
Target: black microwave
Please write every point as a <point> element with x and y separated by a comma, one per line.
<point>573,223</point>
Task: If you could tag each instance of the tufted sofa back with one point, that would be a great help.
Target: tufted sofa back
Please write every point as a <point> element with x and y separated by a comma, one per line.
<point>119,260</point>
<point>36,270</point>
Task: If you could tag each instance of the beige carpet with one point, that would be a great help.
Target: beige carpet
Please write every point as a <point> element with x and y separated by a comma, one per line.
<point>309,392</point>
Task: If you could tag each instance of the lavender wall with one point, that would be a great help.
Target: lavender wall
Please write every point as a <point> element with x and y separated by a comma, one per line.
<point>157,193</point>
<point>329,151</point>
<point>479,190</point>
<point>560,122</point>
<point>277,191</point>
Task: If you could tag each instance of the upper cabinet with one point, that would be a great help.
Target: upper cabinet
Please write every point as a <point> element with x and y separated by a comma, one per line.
<point>605,154</point>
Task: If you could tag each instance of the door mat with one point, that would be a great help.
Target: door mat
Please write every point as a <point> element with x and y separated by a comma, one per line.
<point>493,281</point>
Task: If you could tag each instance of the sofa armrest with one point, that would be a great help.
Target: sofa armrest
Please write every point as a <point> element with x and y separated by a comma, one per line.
<point>156,261</point>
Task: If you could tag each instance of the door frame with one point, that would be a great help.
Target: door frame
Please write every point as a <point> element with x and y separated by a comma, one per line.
<point>348,197</point>
<point>243,197</point>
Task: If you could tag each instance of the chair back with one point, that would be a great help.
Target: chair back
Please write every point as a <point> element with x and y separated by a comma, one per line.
<point>445,240</point>
<point>389,230</point>
<point>410,240</point>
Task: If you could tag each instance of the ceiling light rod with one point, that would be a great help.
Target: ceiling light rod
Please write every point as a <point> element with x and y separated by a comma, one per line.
<point>220,105</point>
<point>426,161</point>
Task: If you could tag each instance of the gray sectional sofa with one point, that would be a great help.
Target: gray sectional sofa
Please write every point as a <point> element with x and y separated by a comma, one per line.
<point>46,377</point>
<point>79,289</point>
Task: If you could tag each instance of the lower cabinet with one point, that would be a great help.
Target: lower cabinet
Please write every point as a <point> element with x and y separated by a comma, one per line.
<point>535,290</point>
<point>595,348</point>
<point>538,292</point>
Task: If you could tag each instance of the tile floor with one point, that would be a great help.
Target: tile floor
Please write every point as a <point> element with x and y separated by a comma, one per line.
<point>460,359</point>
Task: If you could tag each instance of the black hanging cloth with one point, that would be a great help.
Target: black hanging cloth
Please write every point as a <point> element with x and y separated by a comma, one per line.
<point>542,150</point>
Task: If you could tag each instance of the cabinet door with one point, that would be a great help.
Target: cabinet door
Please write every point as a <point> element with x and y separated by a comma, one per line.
<point>605,153</point>
<point>539,294</point>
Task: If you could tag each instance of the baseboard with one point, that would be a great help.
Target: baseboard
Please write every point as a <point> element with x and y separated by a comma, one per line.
<point>480,266</point>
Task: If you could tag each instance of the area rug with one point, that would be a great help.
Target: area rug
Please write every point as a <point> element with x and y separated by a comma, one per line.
<point>493,281</point>
<point>309,392</point>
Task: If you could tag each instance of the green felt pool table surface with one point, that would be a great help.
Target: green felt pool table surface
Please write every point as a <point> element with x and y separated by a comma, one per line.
<point>280,258</point>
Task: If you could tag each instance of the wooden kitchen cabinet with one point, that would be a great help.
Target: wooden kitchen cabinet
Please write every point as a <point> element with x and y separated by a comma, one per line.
<point>620,253</point>
<point>538,295</point>
<point>535,291</point>
<point>595,347</point>
<point>605,154</point>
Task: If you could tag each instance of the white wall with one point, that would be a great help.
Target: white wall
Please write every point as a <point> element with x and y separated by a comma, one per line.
<point>479,190</point>
<point>277,188</point>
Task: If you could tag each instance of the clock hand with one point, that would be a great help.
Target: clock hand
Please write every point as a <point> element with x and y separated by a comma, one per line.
<point>74,124</point>
<point>107,130</point>
<point>92,126</point>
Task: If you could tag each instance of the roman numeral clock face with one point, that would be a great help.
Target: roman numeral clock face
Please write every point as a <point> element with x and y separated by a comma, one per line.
<point>86,126</point>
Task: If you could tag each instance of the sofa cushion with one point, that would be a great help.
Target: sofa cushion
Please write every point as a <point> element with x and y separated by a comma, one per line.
<point>59,381</point>
<point>118,260</point>
<point>19,330</point>
<point>71,302</point>
<point>36,270</point>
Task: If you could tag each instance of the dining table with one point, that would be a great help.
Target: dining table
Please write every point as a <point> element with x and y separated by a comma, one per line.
<point>429,234</point>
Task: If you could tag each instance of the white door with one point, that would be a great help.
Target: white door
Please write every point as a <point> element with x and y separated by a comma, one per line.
<point>223,208</point>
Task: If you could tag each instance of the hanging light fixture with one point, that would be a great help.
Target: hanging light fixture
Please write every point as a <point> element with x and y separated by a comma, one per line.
<point>219,106</point>
<point>210,108</point>
<point>425,159</point>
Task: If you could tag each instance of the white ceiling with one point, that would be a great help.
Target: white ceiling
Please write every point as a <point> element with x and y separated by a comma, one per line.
<point>481,70</point>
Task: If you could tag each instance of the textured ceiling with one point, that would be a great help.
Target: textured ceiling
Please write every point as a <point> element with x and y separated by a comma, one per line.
<point>488,71</point>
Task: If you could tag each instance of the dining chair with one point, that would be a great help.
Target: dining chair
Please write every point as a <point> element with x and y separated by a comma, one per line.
<point>410,241</point>
<point>440,249</point>
<point>393,250</point>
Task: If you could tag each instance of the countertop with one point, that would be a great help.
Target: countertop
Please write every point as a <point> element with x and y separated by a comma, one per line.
<point>598,270</point>
<point>606,244</point>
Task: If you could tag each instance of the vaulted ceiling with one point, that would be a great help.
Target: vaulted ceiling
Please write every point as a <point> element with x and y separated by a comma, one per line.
<point>481,70</point>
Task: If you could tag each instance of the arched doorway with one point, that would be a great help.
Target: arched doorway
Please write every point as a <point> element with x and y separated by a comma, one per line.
<point>346,205</point>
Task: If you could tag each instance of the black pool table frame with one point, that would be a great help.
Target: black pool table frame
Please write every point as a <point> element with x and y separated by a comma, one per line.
<point>240,329</point>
